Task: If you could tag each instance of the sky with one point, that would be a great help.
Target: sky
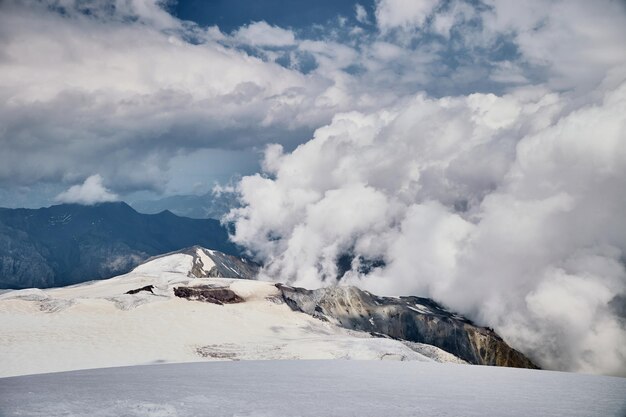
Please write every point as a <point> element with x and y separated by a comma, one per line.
<point>467,150</point>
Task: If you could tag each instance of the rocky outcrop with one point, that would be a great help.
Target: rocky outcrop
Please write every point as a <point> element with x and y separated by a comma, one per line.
<point>147,288</point>
<point>220,265</point>
<point>208,294</point>
<point>412,319</point>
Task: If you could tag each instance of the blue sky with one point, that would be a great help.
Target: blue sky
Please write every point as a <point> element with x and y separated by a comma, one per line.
<point>297,14</point>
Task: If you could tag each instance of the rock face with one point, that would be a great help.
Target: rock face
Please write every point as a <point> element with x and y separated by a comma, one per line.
<point>213,264</point>
<point>412,319</point>
<point>69,243</point>
<point>208,294</point>
<point>147,288</point>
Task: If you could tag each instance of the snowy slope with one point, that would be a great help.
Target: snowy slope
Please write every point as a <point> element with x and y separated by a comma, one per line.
<point>209,263</point>
<point>313,388</point>
<point>97,324</point>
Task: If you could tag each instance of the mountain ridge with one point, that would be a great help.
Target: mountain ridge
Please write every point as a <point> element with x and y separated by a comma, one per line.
<point>71,243</point>
<point>407,318</point>
<point>161,312</point>
<point>403,328</point>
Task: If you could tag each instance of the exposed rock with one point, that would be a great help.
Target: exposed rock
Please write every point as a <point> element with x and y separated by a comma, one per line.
<point>208,263</point>
<point>223,265</point>
<point>215,352</point>
<point>412,319</point>
<point>147,288</point>
<point>215,295</point>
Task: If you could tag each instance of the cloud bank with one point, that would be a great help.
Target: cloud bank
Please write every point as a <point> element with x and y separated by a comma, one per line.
<point>122,90</point>
<point>507,208</point>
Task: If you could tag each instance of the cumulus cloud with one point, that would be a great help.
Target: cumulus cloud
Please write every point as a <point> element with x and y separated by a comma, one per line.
<point>90,192</point>
<point>262,34</point>
<point>403,13</point>
<point>546,33</point>
<point>504,208</point>
<point>122,90</point>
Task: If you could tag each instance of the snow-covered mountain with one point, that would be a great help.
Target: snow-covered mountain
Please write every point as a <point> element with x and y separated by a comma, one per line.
<point>196,305</point>
<point>70,243</point>
<point>206,263</point>
<point>162,312</point>
<point>412,319</point>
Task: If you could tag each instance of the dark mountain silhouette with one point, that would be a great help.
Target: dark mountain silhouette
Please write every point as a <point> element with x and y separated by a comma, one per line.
<point>69,243</point>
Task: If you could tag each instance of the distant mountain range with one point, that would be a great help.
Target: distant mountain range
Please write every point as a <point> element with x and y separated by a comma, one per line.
<point>206,206</point>
<point>69,243</point>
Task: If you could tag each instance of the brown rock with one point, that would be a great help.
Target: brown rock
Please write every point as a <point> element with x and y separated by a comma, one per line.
<point>205,293</point>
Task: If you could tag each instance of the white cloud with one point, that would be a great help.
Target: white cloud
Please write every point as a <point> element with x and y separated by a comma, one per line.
<point>548,32</point>
<point>82,93</point>
<point>504,208</point>
<point>403,13</point>
<point>262,34</point>
<point>90,192</point>
<point>361,14</point>
<point>128,82</point>
<point>456,14</point>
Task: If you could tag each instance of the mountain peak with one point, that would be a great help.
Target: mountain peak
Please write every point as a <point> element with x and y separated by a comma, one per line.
<point>199,262</point>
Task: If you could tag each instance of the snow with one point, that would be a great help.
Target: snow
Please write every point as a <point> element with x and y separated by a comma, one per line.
<point>96,325</point>
<point>433,352</point>
<point>207,262</point>
<point>420,309</point>
<point>313,388</point>
<point>176,263</point>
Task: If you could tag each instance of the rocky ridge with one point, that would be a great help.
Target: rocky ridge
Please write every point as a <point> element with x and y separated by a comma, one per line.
<point>412,319</point>
<point>415,321</point>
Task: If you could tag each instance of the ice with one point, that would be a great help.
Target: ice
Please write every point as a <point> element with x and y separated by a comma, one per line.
<point>313,388</point>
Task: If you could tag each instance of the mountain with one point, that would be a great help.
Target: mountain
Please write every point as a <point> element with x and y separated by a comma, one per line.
<point>171,309</point>
<point>205,263</point>
<point>198,304</point>
<point>413,319</point>
<point>195,206</point>
<point>69,243</point>
<point>161,312</point>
